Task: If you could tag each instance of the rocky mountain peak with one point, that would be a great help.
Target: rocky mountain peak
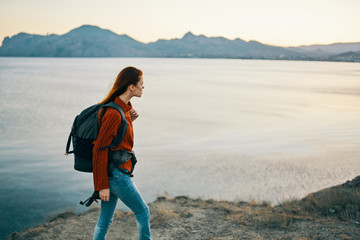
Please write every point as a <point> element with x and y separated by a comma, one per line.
<point>189,35</point>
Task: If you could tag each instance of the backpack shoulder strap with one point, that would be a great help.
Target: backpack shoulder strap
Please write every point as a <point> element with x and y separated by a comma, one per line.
<point>121,133</point>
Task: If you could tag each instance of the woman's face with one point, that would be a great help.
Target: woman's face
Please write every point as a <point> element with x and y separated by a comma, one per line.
<point>138,91</point>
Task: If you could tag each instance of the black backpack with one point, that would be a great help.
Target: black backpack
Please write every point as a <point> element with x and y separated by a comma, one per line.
<point>84,132</point>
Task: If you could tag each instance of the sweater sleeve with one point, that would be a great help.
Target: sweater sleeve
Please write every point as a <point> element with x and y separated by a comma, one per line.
<point>108,130</point>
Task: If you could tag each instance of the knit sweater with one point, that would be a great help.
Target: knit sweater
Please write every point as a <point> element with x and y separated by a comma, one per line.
<point>110,125</point>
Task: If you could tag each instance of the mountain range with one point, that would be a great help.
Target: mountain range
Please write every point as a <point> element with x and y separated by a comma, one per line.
<point>92,41</point>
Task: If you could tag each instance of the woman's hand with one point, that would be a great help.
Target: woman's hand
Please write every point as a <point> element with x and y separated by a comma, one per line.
<point>104,194</point>
<point>133,114</point>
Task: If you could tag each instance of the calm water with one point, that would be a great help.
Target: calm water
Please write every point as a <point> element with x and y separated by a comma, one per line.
<point>210,128</point>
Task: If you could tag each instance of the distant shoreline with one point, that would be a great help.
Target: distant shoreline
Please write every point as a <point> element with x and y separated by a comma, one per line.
<point>93,41</point>
<point>268,59</point>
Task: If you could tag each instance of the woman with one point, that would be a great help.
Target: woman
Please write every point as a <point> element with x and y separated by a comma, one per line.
<point>118,183</point>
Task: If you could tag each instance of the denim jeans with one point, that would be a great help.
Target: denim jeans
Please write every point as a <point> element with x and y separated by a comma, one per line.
<point>122,186</point>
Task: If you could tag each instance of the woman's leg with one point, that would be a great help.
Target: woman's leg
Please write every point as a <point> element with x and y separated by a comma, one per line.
<point>125,189</point>
<point>105,218</point>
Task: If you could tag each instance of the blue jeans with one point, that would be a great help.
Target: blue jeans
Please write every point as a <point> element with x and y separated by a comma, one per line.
<point>122,186</point>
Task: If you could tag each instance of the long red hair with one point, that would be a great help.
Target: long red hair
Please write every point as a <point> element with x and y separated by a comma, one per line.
<point>126,77</point>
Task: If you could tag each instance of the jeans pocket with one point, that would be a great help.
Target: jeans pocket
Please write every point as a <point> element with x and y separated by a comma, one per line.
<point>124,181</point>
<point>116,172</point>
<point>112,179</point>
<point>119,179</point>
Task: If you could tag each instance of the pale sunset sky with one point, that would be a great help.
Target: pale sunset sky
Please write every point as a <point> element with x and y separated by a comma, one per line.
<point>275,22</point>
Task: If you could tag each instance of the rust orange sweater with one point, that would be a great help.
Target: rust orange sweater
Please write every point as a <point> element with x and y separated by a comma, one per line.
<point>110,125</point>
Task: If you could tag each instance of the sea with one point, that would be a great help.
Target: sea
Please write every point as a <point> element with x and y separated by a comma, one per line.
<point>223,129</point>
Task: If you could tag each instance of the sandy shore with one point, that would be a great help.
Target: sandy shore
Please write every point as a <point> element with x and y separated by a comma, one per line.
<point>183,218</point>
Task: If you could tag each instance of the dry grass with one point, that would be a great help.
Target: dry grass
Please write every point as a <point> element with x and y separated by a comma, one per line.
<point>161,216</point>
<point>68,213</point>
<point>346,237</point>
<point>254,203</point>
<point>186,218</point>
<point>273,218</point>
<point>258,214</point>
<point>120,214</point>
<point>341,202</point>
<point>239,217</point>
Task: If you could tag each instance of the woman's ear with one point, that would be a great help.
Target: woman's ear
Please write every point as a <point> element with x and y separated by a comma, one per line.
<point>131,87</point>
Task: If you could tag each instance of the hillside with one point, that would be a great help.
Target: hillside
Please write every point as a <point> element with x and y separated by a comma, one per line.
<point>331,214</point>
<point>92,41</point>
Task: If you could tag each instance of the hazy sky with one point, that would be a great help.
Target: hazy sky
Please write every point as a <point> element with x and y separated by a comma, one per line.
<point>276,22</point>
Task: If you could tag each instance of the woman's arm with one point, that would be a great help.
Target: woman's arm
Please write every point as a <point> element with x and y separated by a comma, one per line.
<point>108,130</point>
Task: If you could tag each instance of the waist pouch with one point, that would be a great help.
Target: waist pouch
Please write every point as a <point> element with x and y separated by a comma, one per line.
<point>119,157</point>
